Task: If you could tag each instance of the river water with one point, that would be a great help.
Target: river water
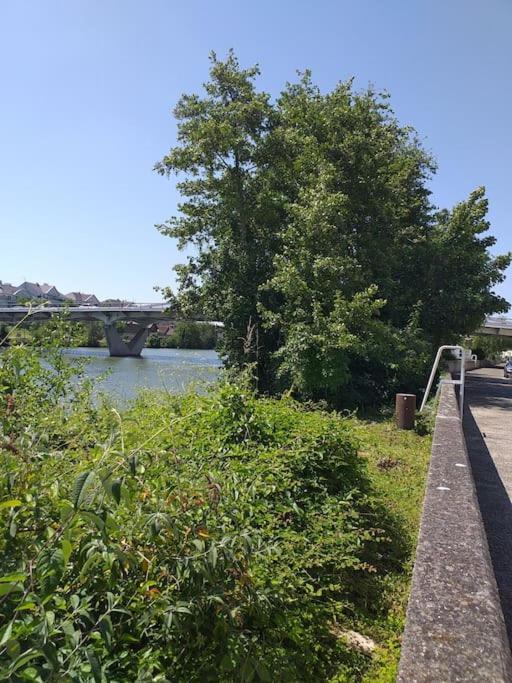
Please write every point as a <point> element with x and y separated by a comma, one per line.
<point>174,370</point>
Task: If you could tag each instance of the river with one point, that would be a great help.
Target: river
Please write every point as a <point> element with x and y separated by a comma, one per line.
<point>174,370</point>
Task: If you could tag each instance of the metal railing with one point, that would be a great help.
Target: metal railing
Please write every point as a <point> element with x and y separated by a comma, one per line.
<point>459,382</point>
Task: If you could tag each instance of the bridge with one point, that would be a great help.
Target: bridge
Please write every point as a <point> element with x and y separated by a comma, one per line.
<point>146,315</point>
<point>143,315</point>
<point>497,326</point>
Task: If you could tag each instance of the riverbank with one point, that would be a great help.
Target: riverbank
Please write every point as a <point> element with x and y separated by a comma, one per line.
<point>215,537</point>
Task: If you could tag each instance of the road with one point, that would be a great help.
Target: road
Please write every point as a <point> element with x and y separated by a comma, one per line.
<point>488,431</point>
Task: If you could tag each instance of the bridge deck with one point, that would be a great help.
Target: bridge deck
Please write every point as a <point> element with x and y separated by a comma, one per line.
<point>136,312</point>
<point>497,326</point>
<point>488,431</point>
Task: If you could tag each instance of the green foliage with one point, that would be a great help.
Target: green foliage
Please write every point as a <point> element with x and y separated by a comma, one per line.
<point>461,272</point>
<point>232,208</point>
<point>95,335</point>
<point>219,537</point>
<point>155,341</point>
<point>489,347</point>
<point>89,334</point>
<point>190,335</point>
<point>187,335</point>
<point>36,381</point>
<point>315,240</point>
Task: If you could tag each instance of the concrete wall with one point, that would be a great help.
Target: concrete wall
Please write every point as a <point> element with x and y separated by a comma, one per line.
<point>453,366</point>
<point>455,629</point>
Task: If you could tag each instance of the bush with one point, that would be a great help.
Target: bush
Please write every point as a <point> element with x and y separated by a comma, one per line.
<point>187,335</point>
<point>221,537</point>
<point>154,341</point>
<point>191,335</point>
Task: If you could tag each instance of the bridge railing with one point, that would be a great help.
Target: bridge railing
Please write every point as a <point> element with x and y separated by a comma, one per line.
<point>48,305</point>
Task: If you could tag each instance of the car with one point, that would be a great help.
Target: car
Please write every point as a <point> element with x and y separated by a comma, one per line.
<point>507,370</point>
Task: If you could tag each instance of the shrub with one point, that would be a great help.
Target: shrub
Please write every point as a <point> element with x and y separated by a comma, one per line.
<point>194,538</point>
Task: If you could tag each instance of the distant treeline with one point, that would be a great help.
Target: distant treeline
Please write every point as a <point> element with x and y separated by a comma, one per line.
<point>81,334</point>
<point>187,335</point>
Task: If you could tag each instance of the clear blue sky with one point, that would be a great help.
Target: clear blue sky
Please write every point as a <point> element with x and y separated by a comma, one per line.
<point>87,87</point>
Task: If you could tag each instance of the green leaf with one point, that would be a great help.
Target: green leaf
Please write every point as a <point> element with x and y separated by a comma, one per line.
<point>93,517</point>
<point>27,605</point>
<point>12,577</point>
<point>50,652</point>
<point>66,550</point>
<point>13,503</point>
<point>7,633</point>
<point>6,588</point>
<point>106,630</point>
<point>50,568</point>
<point>13,648</point>
<point>91,560</point>
<point>73,636</point>
<point>95,665</point>
<point>112,487</point>
<point>82,483</point>
<point>23,659</point>
<point>217,599</point>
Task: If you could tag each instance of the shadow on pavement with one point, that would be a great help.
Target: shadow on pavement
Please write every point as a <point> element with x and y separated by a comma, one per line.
<point>490,391</point>
<point>493,499</point>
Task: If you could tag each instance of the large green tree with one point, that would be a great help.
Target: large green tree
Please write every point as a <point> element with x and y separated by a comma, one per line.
<point>350,238</point>
<point>232,209</point>
<point>316,242</point>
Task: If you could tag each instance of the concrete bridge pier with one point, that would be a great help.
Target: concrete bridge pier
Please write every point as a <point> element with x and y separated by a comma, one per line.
<point>118,347</point>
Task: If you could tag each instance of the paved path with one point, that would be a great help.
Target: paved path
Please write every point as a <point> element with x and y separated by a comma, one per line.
<point>488,430</point>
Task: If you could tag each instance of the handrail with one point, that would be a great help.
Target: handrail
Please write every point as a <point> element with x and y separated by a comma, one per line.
<point>460,381</point>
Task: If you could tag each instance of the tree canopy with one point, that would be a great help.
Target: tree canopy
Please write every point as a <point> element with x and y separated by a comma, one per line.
<point>315,238</point>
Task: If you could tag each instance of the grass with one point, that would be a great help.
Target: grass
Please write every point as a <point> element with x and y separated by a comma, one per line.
<point>397,464</point>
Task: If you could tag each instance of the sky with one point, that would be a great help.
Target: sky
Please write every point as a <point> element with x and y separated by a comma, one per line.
<point>87,89</point>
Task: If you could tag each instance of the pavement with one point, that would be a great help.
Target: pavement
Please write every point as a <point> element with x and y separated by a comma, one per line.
<point>488,432</point>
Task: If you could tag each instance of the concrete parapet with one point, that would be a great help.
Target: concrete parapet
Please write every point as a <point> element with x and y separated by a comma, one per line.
<point>453,366</point>
<point>455,629</point>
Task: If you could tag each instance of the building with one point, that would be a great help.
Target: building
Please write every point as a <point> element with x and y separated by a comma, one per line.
<point>11,295</point>
<point>51,293</point>
<point>82,299</point>
<point>29,291</point>
<point>33,291</point>
<point>7,296</point>
<point>165,329</point>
